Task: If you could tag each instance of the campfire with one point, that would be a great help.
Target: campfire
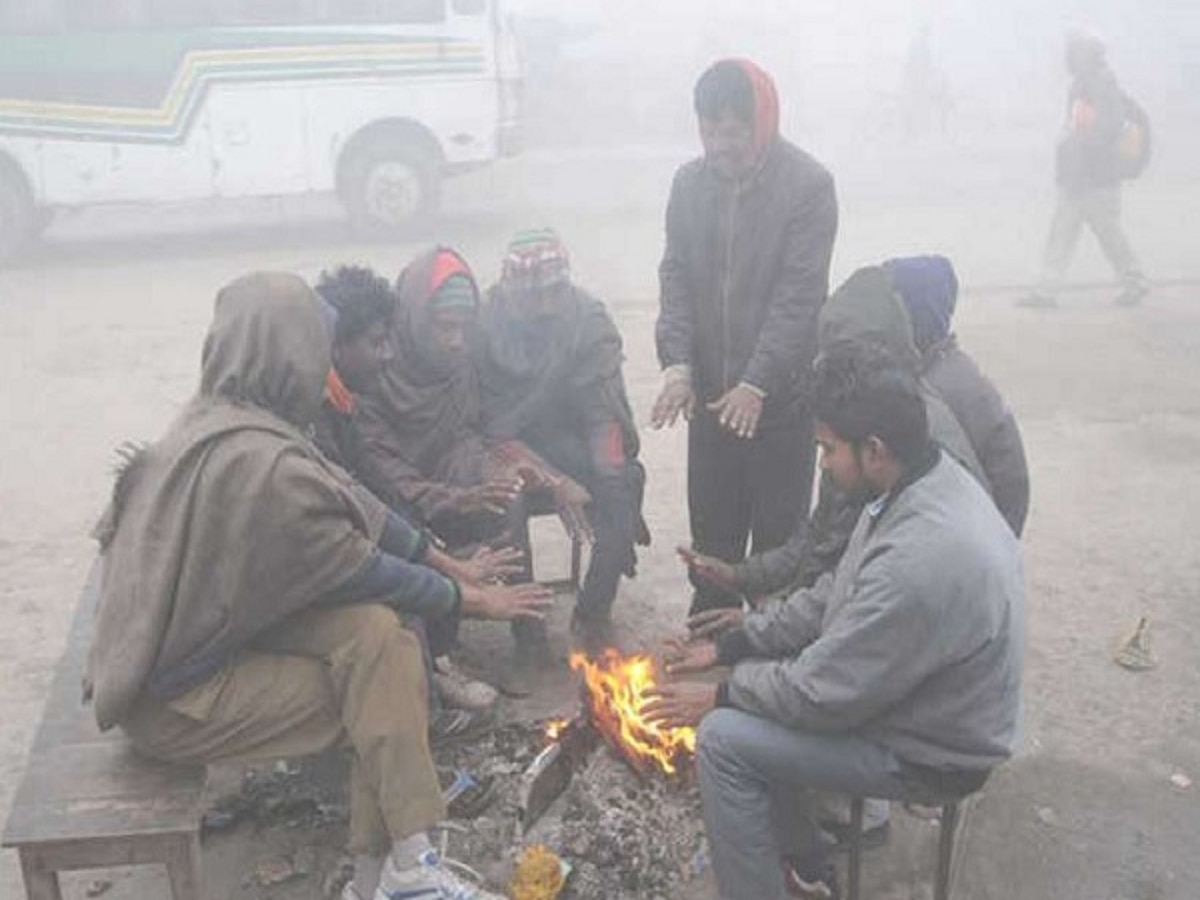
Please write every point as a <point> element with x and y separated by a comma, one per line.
<point>617,689</point>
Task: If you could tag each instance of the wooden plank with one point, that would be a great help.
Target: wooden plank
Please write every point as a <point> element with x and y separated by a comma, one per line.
<point>83,785</point>
<point>93,790</point>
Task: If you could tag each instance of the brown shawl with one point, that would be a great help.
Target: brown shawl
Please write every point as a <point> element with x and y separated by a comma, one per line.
<point>421,425</point>
<point>233,521</point>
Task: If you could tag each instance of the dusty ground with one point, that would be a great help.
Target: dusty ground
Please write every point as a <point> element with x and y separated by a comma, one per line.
<point>99,341</point>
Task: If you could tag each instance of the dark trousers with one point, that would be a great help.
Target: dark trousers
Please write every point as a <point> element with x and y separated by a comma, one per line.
<point>742,490</point>
<point>612,514</point>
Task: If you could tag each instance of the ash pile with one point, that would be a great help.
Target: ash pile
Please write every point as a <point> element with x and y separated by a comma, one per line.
<point>625,832</point>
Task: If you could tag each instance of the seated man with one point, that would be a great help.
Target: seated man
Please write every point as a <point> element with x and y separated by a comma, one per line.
<point>897,677</point>
<point>550,372</point>
<point>929,289</point>
<point>247,604</point>
<point>360,304</point>
<point>423,431</point>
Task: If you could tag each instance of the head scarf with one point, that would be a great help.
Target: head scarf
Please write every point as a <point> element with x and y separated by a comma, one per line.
<point>233,521</point>
<point>928,288</point>
<point>766,107</point>
<point>865,309</point>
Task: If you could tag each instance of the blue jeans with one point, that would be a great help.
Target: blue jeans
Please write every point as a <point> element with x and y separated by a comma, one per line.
<point>757,780</point>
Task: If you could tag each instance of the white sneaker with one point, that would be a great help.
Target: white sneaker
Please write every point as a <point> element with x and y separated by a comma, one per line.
<point>429,879</point>
<point>459,691</point>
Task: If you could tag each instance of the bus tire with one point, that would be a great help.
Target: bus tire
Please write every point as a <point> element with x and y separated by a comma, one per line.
<point>18,219</point>
<point>389,185</point>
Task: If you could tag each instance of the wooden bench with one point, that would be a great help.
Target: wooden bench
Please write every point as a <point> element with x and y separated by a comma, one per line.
<point>87,801</point>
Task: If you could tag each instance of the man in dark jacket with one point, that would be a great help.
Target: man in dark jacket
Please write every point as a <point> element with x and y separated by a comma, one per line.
<point>750,231</point>
<point>1090,167</point>
<point>899,676</point>
<point>550,363</point>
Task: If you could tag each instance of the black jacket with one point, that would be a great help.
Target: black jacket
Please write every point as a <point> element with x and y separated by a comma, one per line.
<point>745,271</point>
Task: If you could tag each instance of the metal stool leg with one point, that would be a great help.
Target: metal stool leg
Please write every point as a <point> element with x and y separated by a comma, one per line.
<point>854,864</point>
<point>941,887</point>
<point>576,563</point>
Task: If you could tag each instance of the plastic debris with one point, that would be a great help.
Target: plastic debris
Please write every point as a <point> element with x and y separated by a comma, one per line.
<point>1133,652</point>
<point>1181,781</point>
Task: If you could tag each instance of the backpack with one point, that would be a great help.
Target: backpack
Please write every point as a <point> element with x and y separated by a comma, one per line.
<point>1134,146</point>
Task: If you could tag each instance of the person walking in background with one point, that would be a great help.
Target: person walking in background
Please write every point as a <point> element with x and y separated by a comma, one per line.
<point>1107,140</point>
<point>750,228</point>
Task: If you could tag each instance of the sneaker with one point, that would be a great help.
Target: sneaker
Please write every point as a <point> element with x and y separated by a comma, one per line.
<point>453,726</point>
<point>811,882</point>
<point>429,879</point>
<point>1037,301</point>
<point>460,691</point>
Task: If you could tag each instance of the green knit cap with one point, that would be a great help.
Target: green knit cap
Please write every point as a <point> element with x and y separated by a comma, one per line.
<point>456,292</point>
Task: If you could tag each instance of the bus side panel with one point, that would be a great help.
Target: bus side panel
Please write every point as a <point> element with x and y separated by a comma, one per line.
<point>76,173</point>
<point>259,139</point>
<point>460,115</point>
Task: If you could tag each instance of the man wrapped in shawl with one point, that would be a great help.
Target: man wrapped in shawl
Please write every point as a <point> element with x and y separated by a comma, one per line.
<point>550,371</point>
<point>929,288</point>
<point>247,599</point>
<point>423,430</point>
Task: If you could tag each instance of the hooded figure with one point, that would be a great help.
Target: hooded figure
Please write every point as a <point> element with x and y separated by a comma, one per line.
<point>864,310</point>
<point>928,288</point>
<point>749,236</point>
<point>550,369</point>
<point>233,521</point>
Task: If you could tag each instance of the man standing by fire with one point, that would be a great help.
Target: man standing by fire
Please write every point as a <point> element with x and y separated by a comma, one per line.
<point>897,677</point>
<point>749,236</point>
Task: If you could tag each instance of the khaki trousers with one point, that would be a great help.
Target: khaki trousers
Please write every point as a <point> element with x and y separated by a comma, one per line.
<point>1100,210</point>
<point>347,677</point>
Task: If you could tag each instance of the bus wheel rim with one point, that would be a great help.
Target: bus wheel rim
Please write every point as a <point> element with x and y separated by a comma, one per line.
<point>394,192</point>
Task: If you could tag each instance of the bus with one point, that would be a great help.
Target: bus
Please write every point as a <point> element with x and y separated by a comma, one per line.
<point>139,101</point>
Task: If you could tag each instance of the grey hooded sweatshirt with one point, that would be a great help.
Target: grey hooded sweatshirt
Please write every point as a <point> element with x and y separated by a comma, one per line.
<point>914,642</point>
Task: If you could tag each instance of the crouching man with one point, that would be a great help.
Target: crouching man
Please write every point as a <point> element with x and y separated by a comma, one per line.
<point>247,609</point>
<point>897,676</point>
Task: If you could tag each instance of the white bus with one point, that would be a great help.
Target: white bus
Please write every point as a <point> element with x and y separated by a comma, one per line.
<point>133,101</point>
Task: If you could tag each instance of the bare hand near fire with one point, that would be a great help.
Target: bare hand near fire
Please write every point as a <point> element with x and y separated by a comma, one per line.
<point>713,622</point>
<point>488,564</point>
<point>506,602</point>
<point>571,500</point>
<point>739,411</point>
<point>685,657</point>
<point>680,705</point>
<point>707,568</point>
<point>494,497</point>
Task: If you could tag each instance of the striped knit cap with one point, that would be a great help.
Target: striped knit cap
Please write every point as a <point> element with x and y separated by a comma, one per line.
<point>537,259</point>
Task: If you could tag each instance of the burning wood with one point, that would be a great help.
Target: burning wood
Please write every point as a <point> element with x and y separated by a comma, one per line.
<point>617,689</point>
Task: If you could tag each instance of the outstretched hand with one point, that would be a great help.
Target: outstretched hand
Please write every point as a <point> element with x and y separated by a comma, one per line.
<point>488,564</point>
<point>680,704</point>
<point>739,411</point>
<point>683,657</point>
<point>713,622</point>
<point>708,568</point>
<point>676,399</point>
<point>506,602</point>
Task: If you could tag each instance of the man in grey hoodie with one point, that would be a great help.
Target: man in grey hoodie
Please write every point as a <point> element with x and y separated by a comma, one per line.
<point>897,676</point>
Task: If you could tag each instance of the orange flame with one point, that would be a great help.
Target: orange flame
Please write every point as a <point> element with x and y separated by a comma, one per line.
<point>555,728</point>
<point>617,692</point>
